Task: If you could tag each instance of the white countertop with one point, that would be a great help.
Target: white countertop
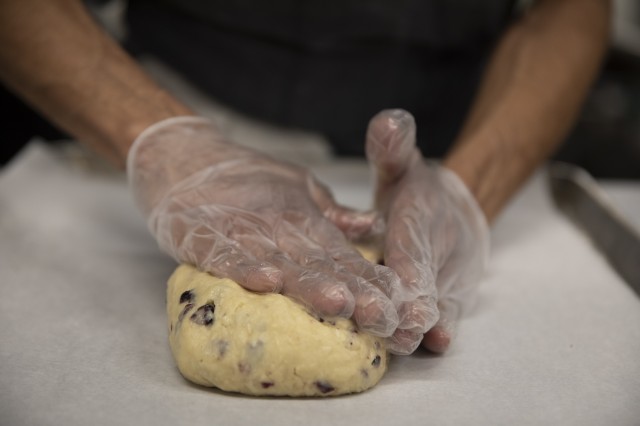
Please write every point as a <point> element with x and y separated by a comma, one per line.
<point>554,338</point>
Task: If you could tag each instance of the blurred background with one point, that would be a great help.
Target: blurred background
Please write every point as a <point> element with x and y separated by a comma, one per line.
<point>605,140</point>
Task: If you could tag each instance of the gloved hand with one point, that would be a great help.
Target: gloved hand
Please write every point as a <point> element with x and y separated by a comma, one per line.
<point>268,225</point>
<point>437,238</point>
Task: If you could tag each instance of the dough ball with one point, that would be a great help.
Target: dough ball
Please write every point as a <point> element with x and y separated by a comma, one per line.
<point>264,344</point>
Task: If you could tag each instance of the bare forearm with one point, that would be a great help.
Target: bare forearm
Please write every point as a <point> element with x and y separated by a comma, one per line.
<point>53,55</point>
<point>532,91</point>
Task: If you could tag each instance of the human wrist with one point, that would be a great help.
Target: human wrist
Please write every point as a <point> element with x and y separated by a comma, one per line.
<point>467,208</point>
<point>486,168</point>
<point>173,150</point>
<point>143,135</point>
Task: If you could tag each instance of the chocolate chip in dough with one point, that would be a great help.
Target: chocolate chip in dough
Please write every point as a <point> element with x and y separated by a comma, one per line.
<point>222,347</point>
<point>324,387</point>
<point>186,309</point>
<point>266,385</point>
<point>376,361</point>
<point>187,296</point>
<point>204,314</point>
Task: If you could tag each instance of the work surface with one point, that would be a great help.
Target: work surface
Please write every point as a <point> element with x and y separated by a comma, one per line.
<point>553,339</point>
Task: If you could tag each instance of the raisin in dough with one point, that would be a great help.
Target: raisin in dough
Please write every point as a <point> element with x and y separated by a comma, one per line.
<point>264,344</point>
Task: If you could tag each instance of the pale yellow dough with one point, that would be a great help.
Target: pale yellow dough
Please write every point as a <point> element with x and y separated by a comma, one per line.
<point>264,344</point>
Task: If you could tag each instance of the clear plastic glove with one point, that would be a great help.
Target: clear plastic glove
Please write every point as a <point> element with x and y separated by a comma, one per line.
<point>268,225</point>
<point>437,238</point>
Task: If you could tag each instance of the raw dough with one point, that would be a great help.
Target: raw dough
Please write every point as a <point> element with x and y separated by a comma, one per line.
<point>264,344</point>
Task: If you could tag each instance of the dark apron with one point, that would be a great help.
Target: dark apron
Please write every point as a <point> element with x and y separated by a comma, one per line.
<point>329,66</point>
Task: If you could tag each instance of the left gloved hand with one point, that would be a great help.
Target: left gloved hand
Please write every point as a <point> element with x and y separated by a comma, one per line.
<point>267,224</point>
<point>437,238</point>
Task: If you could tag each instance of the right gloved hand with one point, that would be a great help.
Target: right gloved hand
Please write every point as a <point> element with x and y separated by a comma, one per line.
<point>437,237</point>
<point>268,225</point>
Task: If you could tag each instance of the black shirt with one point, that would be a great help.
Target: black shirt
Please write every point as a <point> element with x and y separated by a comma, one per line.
<point>329,66</point>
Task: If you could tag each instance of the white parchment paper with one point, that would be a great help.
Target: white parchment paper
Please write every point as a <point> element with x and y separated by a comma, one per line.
<point>553,339</point>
